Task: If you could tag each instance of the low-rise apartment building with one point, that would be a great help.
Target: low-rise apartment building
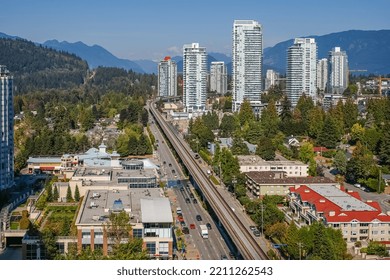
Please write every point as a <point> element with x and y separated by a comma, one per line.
<point>337,208</point>
<point>277,183</point>
<point>256,163</point>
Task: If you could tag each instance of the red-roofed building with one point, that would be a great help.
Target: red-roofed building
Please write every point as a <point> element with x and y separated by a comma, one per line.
<point>342,210</point>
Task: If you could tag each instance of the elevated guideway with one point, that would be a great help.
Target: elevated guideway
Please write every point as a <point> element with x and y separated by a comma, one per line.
<point>238,232</point>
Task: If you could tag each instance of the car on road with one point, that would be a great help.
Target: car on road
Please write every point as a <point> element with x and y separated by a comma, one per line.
<point>173,170</point>
<point>164,162</point>
<point>224,257</point>
<point>191,195</point>
<point>188,200</point>
<point>208,225</point>
<point>232,256</point>
<point>198,218</point>
<point>170,164</point>
<point>181,189</point>
<point>195,201</point>
<point>252,228</point>
<point>192,226</point>
<point>256,233</point>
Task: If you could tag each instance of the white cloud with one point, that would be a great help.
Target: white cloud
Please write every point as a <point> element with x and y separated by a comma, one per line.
<point>175,50</point>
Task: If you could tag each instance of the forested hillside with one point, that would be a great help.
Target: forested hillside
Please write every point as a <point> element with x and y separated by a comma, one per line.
<point>35,67</point>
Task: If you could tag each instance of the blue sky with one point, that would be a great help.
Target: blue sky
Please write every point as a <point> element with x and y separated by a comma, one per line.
<point>151,29</point>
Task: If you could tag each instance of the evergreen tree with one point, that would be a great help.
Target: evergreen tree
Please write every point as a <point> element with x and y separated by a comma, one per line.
<point>286,114</point>
<point>350,114</point>
<point>49,193</point>
<point>239,147</point>
<point>384,150</point>
<point>69,197</point>
<point>245,114</point>
<point>340,162</point>
<point>55,194</point>
<point>329,136</point>
<point>265,149</point>
<point>270,120</point>
<point>77,194</point>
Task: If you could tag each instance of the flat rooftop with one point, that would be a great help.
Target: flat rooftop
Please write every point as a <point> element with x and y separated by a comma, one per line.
<point>260,178</point>
<point>98,204</point>
<point>342,199</point>
<point>256,160</point>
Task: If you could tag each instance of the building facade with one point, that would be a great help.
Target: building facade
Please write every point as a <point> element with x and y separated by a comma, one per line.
<point>194,78</point>
<point>271,79</point>
<point>338,71</point>
<point>218,77</point>
<point>340,209</point>
<point>322,74</point>
<point>302,70</point>
<point>167,77</point>
<point>247,61</point>
<point>256,163</point>
<point>261,183</point>
<point>150,218</point>
<point>7,129</point>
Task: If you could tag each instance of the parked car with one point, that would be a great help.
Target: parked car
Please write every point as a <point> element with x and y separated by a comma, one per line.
<point>256,233</point>
<point>185,230</point>
<point>192,226</point>
<point>208,225</point>
<point>188,200</point>
<point>252,228</point>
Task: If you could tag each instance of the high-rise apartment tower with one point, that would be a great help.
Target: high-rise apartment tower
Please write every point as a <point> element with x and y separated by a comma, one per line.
<point>194,78</point>
<point>218,77</point>
<point>338,71</point>
<point>167,77</point>
<point>247,61</point>
<point>302,70</point>
<point>7,129</point>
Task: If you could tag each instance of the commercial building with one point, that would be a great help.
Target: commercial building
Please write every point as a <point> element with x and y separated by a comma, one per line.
<point>218,77</point>
<point>322,74</point>
<point>256,163</point>
<point>302,70</point>
<point>194,78</point>
<point>278,183</point>
<point>247,61</point>
<point>150,219</point>
<point>340,209</point>
<point>167,77</point>
<point>338,71</point>
<point>7,129</point>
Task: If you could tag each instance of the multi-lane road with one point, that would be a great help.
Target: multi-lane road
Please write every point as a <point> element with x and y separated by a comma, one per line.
<point>231,219</point>
<point>209,249</point>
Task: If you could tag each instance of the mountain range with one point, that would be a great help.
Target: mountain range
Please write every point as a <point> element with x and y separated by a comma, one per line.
<point>366,50</point>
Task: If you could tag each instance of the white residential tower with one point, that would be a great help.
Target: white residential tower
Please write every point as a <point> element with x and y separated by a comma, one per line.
<point>167,77</point>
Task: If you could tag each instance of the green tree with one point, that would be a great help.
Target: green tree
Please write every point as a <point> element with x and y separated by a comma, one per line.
<point>315,122</point>
<point>77,194</point>
<point>56,195</point>
<point>350,114</point>
<point>306,152</point>
<point>245,115</point>
<point>266,149</point>
<point>118,227</point>
<point>229,124</point>
<point>69,197</point>
<point>329,136</point>
<point>239,147</point>
<point>49,192</point>
<point>340,162</point>
<point>270,120</point>
<point>357,133</point>
<point>359,166</point>
<point>384,147</point>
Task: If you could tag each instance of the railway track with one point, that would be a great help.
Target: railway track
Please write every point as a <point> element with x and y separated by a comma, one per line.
<point>244,240</point>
